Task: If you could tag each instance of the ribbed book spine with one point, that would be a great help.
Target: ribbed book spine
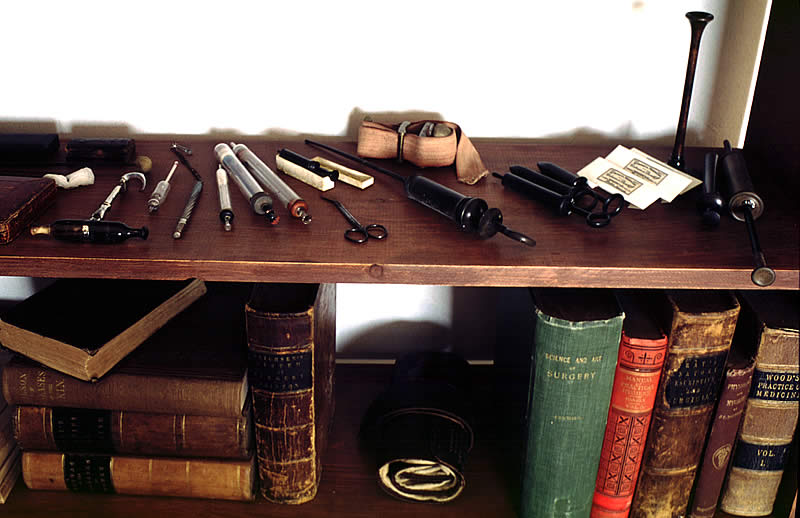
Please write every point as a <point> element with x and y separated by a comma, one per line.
<point>701,326</point>
<point>291,334</point>
<point>770,416</point>
<point>632,398</point>
<point>568,405</point>
<point>721,439</point>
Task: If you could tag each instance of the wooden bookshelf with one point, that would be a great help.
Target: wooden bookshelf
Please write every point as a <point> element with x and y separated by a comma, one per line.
<point>661,247</point>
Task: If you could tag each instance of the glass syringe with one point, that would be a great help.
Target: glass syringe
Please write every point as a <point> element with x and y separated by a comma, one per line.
<point>296,205</point>
<point>259,200</point>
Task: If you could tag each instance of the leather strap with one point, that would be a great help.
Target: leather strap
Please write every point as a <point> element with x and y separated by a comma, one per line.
<point>383,141</point>
<point>420,428</point>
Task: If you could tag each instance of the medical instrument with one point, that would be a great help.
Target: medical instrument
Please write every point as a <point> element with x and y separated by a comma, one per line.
<point>346,174</point>
<point>260,201</point>
<point>307,171</point>
<point>745,205</point>
<point>122,186</point>
<point>471,214</point>
<point>296,206</point>
<point>161,191</point>
<point>89,231</point>
<point>612,204</point>
<point>710,205</point>
<point>225,208</point>
<point>358,233</point>
<point>698,21</point>
<point>194,196</point>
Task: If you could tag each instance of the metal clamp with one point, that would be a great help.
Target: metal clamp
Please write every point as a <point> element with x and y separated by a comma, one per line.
<point>401,136</point>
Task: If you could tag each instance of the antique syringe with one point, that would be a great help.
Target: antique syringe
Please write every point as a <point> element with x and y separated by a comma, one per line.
<point>259,200</point>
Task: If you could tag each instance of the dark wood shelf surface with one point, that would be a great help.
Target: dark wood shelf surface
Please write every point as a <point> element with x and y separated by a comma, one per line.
<point>349,484</point>
<point>661,247</point>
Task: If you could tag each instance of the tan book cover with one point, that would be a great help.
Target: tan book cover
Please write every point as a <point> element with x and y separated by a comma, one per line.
<point>770,323</point>
<point>83,327</point>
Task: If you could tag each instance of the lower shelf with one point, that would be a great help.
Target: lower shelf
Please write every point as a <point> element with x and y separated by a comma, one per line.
<point>349,485</point>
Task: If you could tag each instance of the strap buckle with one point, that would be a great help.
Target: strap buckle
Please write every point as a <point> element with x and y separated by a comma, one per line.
<point>401,136</point>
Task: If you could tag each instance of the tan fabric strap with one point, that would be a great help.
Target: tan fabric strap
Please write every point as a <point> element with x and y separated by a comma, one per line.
<point>377,140</point>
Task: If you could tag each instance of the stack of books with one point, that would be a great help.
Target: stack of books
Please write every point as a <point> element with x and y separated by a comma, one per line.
<point>164,411</point>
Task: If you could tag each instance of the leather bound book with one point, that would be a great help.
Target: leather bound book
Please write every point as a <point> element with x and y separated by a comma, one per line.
<point>770,322</point>
<point>196,364</point>
<point>83,327</point>
<point>133,433</point>
<point>125,475</point>
<point>642,351</point>
<point>22,201</point>
<point>728,415</point>
<point>291,334</point>
<point>575,343</point>
<point>700,325</point>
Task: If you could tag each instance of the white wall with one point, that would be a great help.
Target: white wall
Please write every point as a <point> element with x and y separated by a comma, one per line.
<point>569,71</point>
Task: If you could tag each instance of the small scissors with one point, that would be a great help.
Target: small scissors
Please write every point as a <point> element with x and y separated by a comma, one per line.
<point>359,233</point>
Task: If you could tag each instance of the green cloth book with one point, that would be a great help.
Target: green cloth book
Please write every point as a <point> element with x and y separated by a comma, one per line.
<point>576,338</point>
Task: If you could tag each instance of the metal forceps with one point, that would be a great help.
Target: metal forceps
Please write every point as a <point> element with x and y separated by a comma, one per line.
<point>359,233</point>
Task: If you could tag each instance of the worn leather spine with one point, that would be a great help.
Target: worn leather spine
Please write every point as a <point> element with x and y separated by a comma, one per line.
<point>126,475</point>
<point>770,319</point>
<point>701,325</point>
<point>133,433</point>
<point>22,201</point>
<point>642,352</point>
<point>722,437</point>
<point>291,331</point>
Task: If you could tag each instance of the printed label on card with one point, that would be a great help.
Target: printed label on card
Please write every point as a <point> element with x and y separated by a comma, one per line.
<point>649,170</point>
<point>614,179</point>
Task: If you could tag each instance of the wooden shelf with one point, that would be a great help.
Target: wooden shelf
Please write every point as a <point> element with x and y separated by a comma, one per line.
<point>661,247</point>
<point>349,484</point>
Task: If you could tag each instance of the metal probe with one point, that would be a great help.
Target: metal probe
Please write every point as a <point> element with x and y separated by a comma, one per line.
<point>296,206</point>
<point>159,195</point>
<point>187,210</point>
<point>225,209</point>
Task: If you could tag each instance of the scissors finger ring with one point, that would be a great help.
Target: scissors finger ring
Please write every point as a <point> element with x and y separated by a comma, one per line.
<point>358,233</point>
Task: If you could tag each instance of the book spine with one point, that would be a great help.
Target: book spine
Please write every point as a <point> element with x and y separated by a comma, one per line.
<point>767,428</point>
<point>720,441</point>
<point>632,399</point>
<point>568,405</point>
<point>156,476</point>
<point>30,384</point>
<point>290,364</point>
<point>132,433</point>
<point>687,395</point>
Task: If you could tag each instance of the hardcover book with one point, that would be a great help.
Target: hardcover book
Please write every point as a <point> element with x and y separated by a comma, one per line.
<point>291,333</point>
<point>721,439</point>
<point>642,351</point>
<point>126,475</point>
<point>770,323</point>
<point>700,325</point>
<point>83,327</point>
<point>121,432</point>
<point>22,200</point>
<point>196,365</point>
<point>575,344</point>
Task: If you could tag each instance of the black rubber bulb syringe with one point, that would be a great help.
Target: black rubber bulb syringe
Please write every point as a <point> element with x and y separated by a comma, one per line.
<point>744,205</point>
<point>470,213</point>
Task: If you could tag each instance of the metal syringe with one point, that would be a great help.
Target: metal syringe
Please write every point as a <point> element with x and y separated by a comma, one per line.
<point>296,206</point>
<point>259,200</point>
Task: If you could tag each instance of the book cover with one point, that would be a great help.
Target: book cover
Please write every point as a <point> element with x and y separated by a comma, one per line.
<point>642,352</point>
<point>196,364</point>
<point>575,343</point>
<point>128,475</point>
<point>291,333</point>
<point>83,327</point>
<point>121,432</point>
<point>721,439</point>
<point>770,322</point>
<point>700,325</point>
<point>22,200</point>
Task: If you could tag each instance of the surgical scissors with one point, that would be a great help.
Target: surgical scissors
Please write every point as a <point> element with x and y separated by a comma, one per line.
<point>358,233</point>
